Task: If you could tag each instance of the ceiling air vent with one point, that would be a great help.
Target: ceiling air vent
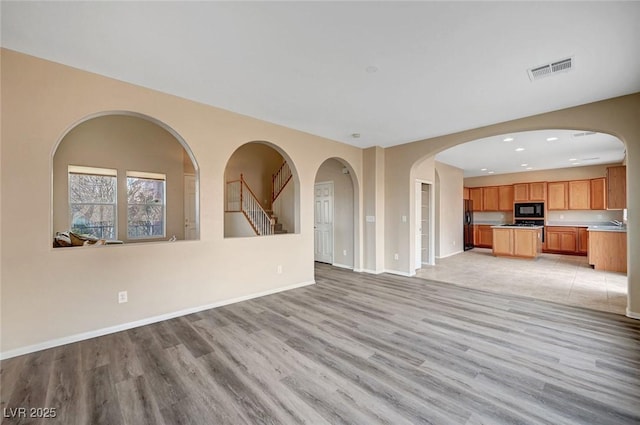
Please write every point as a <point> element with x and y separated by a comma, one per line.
<point>541,71</point>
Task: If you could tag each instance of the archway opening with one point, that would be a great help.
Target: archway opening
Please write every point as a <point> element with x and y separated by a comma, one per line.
<point>261,192</point>
<point>335,220</point>
<point>123,178</point>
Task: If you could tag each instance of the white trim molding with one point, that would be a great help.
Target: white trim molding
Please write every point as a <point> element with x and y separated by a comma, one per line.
<point>342,266</point>
<point>147,321</point>
<point>411,274</point>
<point>633,315</point>
<point>370,271</point>
<point>449,255</point>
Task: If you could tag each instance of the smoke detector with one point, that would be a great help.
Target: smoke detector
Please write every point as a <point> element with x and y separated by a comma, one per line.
<point>563,65</point>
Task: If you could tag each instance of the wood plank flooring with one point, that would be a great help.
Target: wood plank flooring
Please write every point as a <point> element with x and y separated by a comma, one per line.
<point>353,349</point>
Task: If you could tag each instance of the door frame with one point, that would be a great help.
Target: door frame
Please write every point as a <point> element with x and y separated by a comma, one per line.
<point>431,261</point>
<point>333,216</point>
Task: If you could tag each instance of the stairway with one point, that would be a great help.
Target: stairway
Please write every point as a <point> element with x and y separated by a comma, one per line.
<point>278,228</point>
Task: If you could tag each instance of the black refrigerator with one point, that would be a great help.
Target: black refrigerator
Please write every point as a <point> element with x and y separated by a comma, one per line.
<point>468,224</point>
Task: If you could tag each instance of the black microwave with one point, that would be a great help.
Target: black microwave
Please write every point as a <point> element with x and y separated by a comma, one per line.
<point>529,210</point>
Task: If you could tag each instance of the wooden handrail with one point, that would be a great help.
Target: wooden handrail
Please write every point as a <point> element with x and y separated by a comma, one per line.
<point>280,181</point>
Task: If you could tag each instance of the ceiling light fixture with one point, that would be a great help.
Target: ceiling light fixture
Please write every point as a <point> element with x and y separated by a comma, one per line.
<point>483,169</point>
<point>491,172</point>
<point>519,149</point>
<point>355,135</point>
<point>523,165</point>
<point>573,159</point>
<point>551,139</point>
<point>529,168</point>
<point>508,139</point>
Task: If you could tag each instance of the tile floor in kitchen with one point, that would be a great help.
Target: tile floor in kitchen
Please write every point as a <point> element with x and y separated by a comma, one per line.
<point>566,279</point>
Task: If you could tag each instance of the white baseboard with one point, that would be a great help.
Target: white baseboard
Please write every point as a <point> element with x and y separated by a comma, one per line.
<point>342,266</point>
<point>142,322</point>
<point>633,315</point>
<point>400,273</point>
<point>371,271</point>
<point>449,255</point>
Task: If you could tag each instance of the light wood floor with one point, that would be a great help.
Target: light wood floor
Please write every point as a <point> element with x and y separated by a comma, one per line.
<point>353,349</point>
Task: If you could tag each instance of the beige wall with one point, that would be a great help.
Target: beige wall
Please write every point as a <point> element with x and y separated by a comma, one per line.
<point>257,162</point>
<point>373,197</point>
<point>43,303</point>
<point>123,143</point>
<point>618,116</point>
<point>343,202</point>
<point>449,210</point>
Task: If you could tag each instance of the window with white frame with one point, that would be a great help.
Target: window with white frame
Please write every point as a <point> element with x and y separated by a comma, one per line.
<point>146,211</point>
<point>93,201</point>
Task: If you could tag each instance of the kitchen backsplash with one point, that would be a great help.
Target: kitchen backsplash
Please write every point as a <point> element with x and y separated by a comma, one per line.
<point>553,217</point>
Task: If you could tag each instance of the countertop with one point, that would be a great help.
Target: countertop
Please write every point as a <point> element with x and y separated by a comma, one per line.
<point>607,228</point>
<point>508,226</point>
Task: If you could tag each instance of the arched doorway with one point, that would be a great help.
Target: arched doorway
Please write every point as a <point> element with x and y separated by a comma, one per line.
<point>335,221</point>
<point>121,177</point>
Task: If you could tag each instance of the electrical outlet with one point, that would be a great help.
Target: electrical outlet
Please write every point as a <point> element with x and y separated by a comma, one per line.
<point>122,297</point>
<point>344,252</point>
<point>279,269</point>
<point>396,256</point>
<point>454,243</point>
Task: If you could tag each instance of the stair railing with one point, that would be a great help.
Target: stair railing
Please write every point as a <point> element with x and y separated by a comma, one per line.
<point>279,180</point>
<point>240,197</point>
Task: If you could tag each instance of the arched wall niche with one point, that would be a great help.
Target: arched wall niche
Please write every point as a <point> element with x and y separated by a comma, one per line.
<point>261,193</point>
<point>345,247</point>
<point>148,166</point>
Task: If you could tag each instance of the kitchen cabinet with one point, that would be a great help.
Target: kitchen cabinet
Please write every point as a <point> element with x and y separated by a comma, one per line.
<point>566,240</point>
<point>524,192</point>
<point>505,198</point>
<point>475,194</point>
<point>583,240</point>
<point>483,236</point>
<point>465,193</point>
<point>598,193</point>
<point>579,195</point>
<point>557,195</point>
<point>517,242</point>
<point>617,187</point>
<point>490,201</point>
<point>608,251</point>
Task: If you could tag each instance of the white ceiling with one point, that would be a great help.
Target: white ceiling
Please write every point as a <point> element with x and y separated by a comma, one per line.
<point>534,150</point>
<point>440,67</point>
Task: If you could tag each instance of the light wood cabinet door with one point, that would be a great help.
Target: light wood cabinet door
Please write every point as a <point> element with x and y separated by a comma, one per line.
<point>465,193</point>
<point>598,194</point>
<point>583,240</point>
<point>490,200</point>
<point>617,187</point>
<point>557,195</point>
<point>520,192</point>
<point>526,243</point>
<point>505,198</point>
<point>562,239</point>
<point>502,241</point>
<point>475,194</point>
<point>608,251</point>
<point>485,236</point>
<point>580,195</point>
<point>538,191</point>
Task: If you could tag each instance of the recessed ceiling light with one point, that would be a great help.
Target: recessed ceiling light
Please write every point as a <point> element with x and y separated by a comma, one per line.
<point>483,169</point>
<point>576,163</point>
<point>551,139</point>
<point>355,135</point>
<point>529,168</point>
<point>573,159</point>
<point>519,149</point>
<point>491,172</point>
<point>523,165</point>
<point>508,139</point>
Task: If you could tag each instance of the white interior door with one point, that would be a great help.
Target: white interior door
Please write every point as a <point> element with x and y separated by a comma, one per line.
<point>190,220</point>
<point>323,222</point>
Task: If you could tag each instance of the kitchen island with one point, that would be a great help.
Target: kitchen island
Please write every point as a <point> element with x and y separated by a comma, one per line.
<point>608,248</point>
<point>517,241</point>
